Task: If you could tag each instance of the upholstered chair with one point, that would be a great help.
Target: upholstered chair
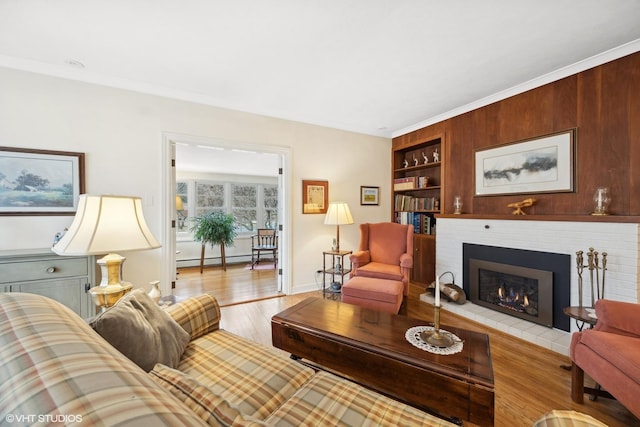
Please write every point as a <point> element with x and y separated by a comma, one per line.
<point>610,354</point>
<point>385,252</point>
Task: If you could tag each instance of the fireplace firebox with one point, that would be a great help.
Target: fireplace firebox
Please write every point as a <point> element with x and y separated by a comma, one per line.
<point>522,292</point>
<point>530,285</point>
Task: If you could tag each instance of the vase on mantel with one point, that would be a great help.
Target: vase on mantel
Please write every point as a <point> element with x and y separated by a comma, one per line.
<point>602,200</point>
<point>154,292</point>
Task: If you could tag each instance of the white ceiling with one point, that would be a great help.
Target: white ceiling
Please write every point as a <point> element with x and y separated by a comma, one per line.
<point>224,159</point>
<point>380,67</point>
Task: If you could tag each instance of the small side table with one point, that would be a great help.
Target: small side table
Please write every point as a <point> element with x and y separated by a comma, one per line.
<point>337,274</point>
<point>581,316</point>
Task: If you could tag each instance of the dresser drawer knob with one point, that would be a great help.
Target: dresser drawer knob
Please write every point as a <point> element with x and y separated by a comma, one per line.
<point>51,270</point>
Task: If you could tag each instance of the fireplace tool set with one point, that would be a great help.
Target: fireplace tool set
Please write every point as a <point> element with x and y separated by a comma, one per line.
<point>596,269</point>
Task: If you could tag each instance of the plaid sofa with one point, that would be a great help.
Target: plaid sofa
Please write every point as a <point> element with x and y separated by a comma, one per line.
<point>57,371</point>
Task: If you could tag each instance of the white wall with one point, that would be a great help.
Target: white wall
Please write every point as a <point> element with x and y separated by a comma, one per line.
<point>121,134</point>
<point>619,240</point>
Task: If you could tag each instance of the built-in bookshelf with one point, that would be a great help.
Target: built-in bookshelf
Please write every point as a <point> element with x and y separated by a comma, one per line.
<point>416,184</point>
<point>417,179</point>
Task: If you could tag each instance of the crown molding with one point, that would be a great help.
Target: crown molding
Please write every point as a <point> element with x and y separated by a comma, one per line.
<point>85,76</point>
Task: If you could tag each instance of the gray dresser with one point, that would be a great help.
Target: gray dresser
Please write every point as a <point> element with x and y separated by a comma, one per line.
<point>40,271</point>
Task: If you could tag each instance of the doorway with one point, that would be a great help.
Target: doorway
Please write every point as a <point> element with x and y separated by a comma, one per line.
<point>227,159</point>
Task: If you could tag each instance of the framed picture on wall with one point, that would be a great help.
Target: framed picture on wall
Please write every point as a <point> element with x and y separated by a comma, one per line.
<point>315,197</point>
<point>540,165</point>
<point>369,196</point>
<point>40,182</point>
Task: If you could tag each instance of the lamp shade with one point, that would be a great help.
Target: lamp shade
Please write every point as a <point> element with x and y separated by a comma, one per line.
<point>179,204</point>
<point>338,213</point>
<point>106,224</point>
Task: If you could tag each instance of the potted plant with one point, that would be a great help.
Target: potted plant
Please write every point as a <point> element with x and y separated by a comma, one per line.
<point>214,228</point>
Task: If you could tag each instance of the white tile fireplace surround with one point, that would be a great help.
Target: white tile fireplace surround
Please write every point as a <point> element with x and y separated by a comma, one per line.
<point>619,240</point>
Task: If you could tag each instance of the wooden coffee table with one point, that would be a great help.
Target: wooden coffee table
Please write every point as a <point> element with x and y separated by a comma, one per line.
<point>370,348</point>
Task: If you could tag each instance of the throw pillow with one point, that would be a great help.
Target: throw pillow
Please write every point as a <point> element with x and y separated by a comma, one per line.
<point>210,407</point>
<point>142,331</point>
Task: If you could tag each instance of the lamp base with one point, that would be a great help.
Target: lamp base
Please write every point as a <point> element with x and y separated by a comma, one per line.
<point>111,287</point>
<point>106,296</point>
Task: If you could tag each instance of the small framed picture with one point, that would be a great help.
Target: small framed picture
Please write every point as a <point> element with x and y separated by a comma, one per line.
<point>315,197</point>
<point>369,195</point>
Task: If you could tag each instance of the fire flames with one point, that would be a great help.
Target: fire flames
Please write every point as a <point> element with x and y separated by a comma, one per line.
<point>513,299</point>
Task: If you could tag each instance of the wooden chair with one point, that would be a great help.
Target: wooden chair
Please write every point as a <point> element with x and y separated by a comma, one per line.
<point>265,241</point>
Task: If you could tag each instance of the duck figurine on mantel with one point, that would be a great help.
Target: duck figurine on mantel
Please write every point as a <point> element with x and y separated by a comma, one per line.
<point>519,205</point>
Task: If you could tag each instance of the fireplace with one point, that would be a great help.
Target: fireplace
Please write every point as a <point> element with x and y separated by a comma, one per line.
<point>530,285</point>
<point>522,292</point>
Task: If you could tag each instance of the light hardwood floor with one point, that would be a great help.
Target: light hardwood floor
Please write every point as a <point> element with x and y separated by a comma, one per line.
<point>236,285</point>
<point>529,380</point>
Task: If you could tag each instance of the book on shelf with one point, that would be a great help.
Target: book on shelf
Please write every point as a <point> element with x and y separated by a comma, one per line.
<point>406,183</point>
<point>404,202</point>
<point>423,223</point>
<point>410,183</point>
<point>426,224</point>
<point>423,181</point>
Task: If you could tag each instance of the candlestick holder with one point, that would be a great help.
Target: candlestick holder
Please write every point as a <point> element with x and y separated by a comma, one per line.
<point>435,337</point>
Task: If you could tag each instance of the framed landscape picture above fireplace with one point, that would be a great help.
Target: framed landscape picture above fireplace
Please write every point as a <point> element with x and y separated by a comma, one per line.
<point>540,165</point>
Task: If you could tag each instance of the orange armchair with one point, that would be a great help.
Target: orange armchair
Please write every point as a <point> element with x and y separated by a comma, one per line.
<point>385,252</point>
<point>610,354</point>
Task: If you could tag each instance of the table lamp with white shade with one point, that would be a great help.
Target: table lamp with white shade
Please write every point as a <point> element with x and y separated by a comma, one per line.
<point>105,225</point>
<point>338,214</point>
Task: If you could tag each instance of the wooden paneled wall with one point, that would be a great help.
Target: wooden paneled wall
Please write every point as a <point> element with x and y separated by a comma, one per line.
<point>602,103</point>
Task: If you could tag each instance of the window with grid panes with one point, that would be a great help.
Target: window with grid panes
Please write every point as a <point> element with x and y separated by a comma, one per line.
<point>270,205</point>
<point>253,205</point>
<point>244,206</point>
<point>210,197</point>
